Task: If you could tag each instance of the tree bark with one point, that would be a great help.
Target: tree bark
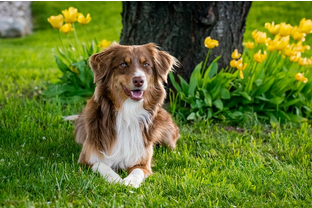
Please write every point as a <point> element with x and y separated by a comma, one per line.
<point>181,28</point>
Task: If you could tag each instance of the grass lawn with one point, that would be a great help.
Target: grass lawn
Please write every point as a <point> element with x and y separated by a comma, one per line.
<point>213,165</point>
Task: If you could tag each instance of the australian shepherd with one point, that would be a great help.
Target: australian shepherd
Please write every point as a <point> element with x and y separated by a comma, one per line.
<point>124,118</point>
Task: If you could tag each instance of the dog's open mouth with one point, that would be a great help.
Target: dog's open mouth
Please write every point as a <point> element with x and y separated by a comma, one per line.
<point>136,95</point>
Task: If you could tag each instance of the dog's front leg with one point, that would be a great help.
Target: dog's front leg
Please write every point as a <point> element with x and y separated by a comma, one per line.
<point>106,172</point>
<point>135,178</point>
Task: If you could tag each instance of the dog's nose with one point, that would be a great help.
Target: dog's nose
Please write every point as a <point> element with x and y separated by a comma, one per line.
<point>138,81</point>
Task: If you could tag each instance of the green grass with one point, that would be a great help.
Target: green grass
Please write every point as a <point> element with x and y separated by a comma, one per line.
<point>213,165</point>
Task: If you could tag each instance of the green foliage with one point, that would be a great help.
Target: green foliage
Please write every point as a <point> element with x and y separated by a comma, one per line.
<point>205,95</point>
<point>76,82</point>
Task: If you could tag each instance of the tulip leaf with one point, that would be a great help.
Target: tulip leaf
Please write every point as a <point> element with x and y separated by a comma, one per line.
<point>191,116</point>
<point>276,100</point>
<point>184,85</point>
<point>194,79</point>
<point>175,83</point>
<point>265,87</point>
<point>218,103</point>
<point>225,93</point>
<point>61,65</point>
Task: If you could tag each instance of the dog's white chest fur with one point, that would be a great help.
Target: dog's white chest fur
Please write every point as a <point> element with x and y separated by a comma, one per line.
<point>129,148</point>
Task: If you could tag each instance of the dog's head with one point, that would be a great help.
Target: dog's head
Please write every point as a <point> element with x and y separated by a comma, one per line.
<point>135,72</point>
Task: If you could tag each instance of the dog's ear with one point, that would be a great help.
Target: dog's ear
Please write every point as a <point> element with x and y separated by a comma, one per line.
<point>163,61</point>
<point>100,62</point>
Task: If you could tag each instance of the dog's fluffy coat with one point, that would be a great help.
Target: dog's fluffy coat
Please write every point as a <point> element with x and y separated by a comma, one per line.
<point>124,118</point>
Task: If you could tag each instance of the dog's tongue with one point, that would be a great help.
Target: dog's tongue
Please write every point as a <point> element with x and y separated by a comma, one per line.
<point>137,95</point>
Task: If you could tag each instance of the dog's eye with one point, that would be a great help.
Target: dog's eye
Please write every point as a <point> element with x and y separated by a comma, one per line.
<point>145,64</point>
<point>123,65</point>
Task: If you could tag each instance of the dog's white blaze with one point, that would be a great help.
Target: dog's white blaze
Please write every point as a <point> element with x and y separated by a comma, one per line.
<point>129,148</point>
<point>140,73</point>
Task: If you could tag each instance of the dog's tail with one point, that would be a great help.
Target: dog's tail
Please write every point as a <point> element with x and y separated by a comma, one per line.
<point>70,118</point>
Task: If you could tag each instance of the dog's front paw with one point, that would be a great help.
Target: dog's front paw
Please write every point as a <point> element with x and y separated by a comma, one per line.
<point>134,179</point>
<point>131,182</point>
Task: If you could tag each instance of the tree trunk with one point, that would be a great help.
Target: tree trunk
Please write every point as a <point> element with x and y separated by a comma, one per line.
<point>181,28</point>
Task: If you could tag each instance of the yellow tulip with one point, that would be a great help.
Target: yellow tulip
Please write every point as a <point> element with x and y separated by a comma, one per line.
<point>238,64</point>
<point>300,77</point>
<point>304,61</point>
<point>260,57</point>
<point>270,44</point>
<point>233,63</point>
<point>56,21</point>
<point>300,48</point>
<point>211,43</point>
<point>84,20</point>
<point>285,29</point>
<point>259,37</point>
<point>305,26</point>
<point>249,45</point>
<point>70,15</point>
<point>241,74</point>
<point>273,29</point>
<point>104,43</point>
<point>288,51</point>
<point>66,28</point>
<point>241,66</point>
<point>297,34</point>
<point>282,43</point>
<point>235,54</point>
<point>295,58</point>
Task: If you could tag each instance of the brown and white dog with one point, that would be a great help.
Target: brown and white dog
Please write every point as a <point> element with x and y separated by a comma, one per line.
<point>124,118</point>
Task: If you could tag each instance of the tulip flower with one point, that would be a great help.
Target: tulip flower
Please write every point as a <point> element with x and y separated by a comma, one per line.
<point>233,63</point>
<point>260,57</point>
<point>288,51</point>
<point>282,42</point>
<point>273,29</point>
<point>259,37</point>
<point>66,28</point>
<point>285,29</point>
<point>249,45</point>
<point>297,34</point>
<point>235,54</point>
<point>104,43</point>
<point>305,25</point>
<point>56,21</point>
<point>300,77</point>
<point>304,61</point>
<point>300,48</point>
<point>295,58</point>
<point>70,15</point>
<point>239,65</point>
<point>84,20</point>
<point>211,43</point>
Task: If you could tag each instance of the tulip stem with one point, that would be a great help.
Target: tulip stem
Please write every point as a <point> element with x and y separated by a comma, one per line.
<point>205,63</point>
<point>77,41</point>
<point>63,47</point>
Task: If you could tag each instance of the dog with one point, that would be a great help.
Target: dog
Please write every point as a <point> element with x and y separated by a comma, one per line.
<point>124,118</point>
